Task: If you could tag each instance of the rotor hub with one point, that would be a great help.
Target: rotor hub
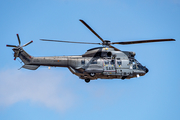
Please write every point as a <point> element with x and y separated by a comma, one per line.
<point>106,42</point>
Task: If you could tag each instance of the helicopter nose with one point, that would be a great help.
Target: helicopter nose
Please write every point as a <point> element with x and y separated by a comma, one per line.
<point>146,70</point>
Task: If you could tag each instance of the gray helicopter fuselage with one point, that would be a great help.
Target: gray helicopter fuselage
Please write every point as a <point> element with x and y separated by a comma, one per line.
<point>107,62</point>
<point>103,63</point>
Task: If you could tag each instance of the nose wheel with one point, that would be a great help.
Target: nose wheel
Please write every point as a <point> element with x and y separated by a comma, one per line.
<point>87,80</point>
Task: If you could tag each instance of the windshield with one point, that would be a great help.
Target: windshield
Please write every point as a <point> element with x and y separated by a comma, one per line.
<point>136,64</point>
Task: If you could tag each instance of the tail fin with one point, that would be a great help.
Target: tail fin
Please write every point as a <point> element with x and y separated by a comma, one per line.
<point>23,55</point>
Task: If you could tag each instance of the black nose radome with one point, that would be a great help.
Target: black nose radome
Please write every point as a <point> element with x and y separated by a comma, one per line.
<point>147,70</point>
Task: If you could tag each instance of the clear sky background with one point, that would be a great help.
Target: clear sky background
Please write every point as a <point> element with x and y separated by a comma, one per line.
<point>56,93</point>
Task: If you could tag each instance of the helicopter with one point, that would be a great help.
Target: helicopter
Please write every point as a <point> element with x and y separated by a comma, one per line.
<point>106,62</point>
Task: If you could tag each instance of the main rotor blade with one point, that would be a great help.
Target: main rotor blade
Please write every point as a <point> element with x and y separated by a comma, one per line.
<point>18,39</point>
<point>27,43</point>
<point>114,48</point>
<point>91,30</point>
<point>11,46</point>
<point>142,41</point>
<point>69,41</point>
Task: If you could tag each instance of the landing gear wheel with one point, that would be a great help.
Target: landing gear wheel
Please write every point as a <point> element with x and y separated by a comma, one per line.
<point>123,77</point>
<point>87,80</point>
<point>92,74</point>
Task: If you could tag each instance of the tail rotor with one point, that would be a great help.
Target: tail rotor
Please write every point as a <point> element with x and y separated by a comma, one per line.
<point>17,48</point>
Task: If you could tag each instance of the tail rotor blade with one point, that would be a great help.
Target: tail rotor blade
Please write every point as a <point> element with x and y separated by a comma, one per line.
<point>16,55</point>
<point>27,43</point>
<point>11,46</point>
<point>18,39</point>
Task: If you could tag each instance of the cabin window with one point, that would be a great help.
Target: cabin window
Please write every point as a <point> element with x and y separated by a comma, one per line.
<point>119,62</point>
<point>98,54</point>
<point>106,62</point>
<point>94,62</point>
<point>104,54</point>
<point>109,54</point>
<point>82,62</point>
<point>112,62</point>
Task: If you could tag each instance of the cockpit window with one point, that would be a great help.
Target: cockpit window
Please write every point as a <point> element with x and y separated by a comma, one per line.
<point>140,66</point>
<point>134,66</point>
<point>137,65</point>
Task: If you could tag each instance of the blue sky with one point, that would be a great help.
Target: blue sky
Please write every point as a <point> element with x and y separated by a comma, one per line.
<point>58,94</point>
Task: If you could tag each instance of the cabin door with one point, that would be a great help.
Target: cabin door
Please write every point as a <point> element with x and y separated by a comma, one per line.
<point>109,66</point>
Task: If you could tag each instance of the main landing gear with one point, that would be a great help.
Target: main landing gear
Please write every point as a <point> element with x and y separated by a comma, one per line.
<point>123,77</point>
<point>87,80</point>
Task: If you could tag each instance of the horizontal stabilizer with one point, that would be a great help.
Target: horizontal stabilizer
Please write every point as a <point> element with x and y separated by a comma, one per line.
<point>30,67</point>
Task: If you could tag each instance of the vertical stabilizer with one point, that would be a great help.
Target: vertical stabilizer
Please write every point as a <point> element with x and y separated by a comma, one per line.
<point>23,55</point>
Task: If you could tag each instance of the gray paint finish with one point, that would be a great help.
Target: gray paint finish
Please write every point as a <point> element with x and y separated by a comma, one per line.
<point>103,63</point>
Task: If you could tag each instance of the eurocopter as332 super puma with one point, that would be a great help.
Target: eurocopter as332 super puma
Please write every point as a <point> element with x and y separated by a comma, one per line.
<point>105,62</point>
